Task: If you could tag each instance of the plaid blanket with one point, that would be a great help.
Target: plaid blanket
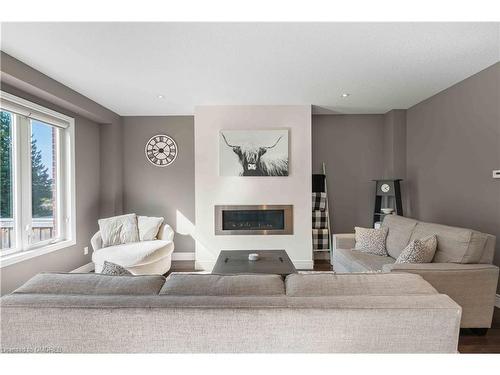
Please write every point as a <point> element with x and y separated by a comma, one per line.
<point>320,239</point>
<point>319,219</point>
<point>318,201</point>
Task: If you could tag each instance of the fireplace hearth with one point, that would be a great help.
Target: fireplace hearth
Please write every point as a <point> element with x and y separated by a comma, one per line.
<point>253,220</point>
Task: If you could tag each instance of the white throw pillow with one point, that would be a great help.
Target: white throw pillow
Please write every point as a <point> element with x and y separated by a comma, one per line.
<point>371,240</point>
<point>148,227</point>
<point>118,230</point>
<point>419,251</point>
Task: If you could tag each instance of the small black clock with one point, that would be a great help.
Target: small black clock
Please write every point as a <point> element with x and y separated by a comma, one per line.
<point>161,150</point>
<point>387,195</point>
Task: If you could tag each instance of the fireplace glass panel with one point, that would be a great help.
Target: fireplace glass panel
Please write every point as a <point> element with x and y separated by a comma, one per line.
<point>253,220</point>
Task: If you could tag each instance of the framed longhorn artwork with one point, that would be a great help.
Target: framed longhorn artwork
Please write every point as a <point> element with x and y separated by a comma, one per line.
<point>253,152</point>
<point>161,150</point>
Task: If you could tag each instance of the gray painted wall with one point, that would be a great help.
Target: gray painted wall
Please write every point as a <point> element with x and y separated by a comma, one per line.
<point>352,148</point>
<point>111,167</point>
<point>453,144</point>
<point>395,144</point>
<point>87,204</point>
<point>395,151</point>
<point>154,191</point>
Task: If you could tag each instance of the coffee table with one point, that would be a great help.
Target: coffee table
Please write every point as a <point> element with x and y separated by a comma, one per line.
<point>270,261</point>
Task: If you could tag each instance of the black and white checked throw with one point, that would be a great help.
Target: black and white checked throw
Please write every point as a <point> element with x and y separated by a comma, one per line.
<point>318,201</point>
<point>319,219</point>
<point>320,239</point>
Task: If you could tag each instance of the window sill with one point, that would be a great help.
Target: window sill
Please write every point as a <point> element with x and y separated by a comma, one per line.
<point>21,256</point>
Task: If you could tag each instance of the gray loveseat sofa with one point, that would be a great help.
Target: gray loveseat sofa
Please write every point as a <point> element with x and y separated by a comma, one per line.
<point>461,267</point>
<point>194,313</point>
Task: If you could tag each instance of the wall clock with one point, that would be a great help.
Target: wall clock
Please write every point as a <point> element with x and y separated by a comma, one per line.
<point>161,150</point>
<point>385,188</point>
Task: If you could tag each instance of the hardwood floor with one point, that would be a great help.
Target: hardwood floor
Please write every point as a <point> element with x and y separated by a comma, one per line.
<point>490,343</point>
<point>468,342</point>
<point>322,265</point>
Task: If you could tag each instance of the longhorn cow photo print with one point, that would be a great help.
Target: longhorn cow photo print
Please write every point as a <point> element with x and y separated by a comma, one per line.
<point>253,152</point>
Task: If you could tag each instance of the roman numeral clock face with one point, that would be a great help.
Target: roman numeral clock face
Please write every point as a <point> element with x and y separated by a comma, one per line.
<point>161,150</point>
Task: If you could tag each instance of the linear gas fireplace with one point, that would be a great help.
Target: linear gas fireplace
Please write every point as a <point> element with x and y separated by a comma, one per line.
<point>254,220</point>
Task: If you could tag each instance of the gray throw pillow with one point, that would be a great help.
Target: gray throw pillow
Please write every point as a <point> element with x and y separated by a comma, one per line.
<point>110,268</point>
<point>419,251</point>
<point>371,240</point>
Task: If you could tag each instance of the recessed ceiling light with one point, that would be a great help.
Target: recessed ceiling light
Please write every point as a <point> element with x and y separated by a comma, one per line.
<point>345,95</point>
<point>160,97</point>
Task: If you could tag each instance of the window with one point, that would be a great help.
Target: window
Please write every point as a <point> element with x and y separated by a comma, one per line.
<point>43,182</point>
<point>37,204</point>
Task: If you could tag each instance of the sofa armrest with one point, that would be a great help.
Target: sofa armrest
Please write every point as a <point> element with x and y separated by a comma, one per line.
<point>472,286</point>
<point>96,241</point>
<point>166,233</point>
<point>344,241</point>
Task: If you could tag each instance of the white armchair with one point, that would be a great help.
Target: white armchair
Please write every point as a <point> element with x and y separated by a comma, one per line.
<point>140,258</point>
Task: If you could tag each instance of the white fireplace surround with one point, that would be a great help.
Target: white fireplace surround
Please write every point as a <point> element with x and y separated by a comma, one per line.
<point>211,189</point>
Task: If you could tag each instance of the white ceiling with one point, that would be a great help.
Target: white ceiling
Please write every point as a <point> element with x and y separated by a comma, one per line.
<point>125,66</point>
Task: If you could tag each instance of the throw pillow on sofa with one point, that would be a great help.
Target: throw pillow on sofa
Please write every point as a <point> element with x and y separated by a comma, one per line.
<point>149,227</point>
<point>118,230</point>
<point>419,251</point>
<point>114,269</point>
<point>371,240</point>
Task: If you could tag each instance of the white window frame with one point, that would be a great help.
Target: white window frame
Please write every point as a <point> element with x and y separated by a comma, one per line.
<point>24,111</point>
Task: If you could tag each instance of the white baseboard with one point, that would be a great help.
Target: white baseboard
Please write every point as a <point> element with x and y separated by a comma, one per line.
<point>497,301</point>
<point>303,264</point>
<point>84,269</point>
<point>182,256</point>
<point>204,265</point>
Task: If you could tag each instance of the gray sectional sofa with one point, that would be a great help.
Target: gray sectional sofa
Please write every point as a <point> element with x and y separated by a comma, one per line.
<point>461,267</point>
<point>195,313</point>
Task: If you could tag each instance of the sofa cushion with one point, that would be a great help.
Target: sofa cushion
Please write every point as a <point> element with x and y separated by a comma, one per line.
<point>454,245</point>
<point>378,284</point>
<point>358,261</point>
<point>148,227</point>
<point>399,232</point>
<point>91,284</point>
<point>133,254</point>
<point>118,230</point>
<point>223,285</point>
